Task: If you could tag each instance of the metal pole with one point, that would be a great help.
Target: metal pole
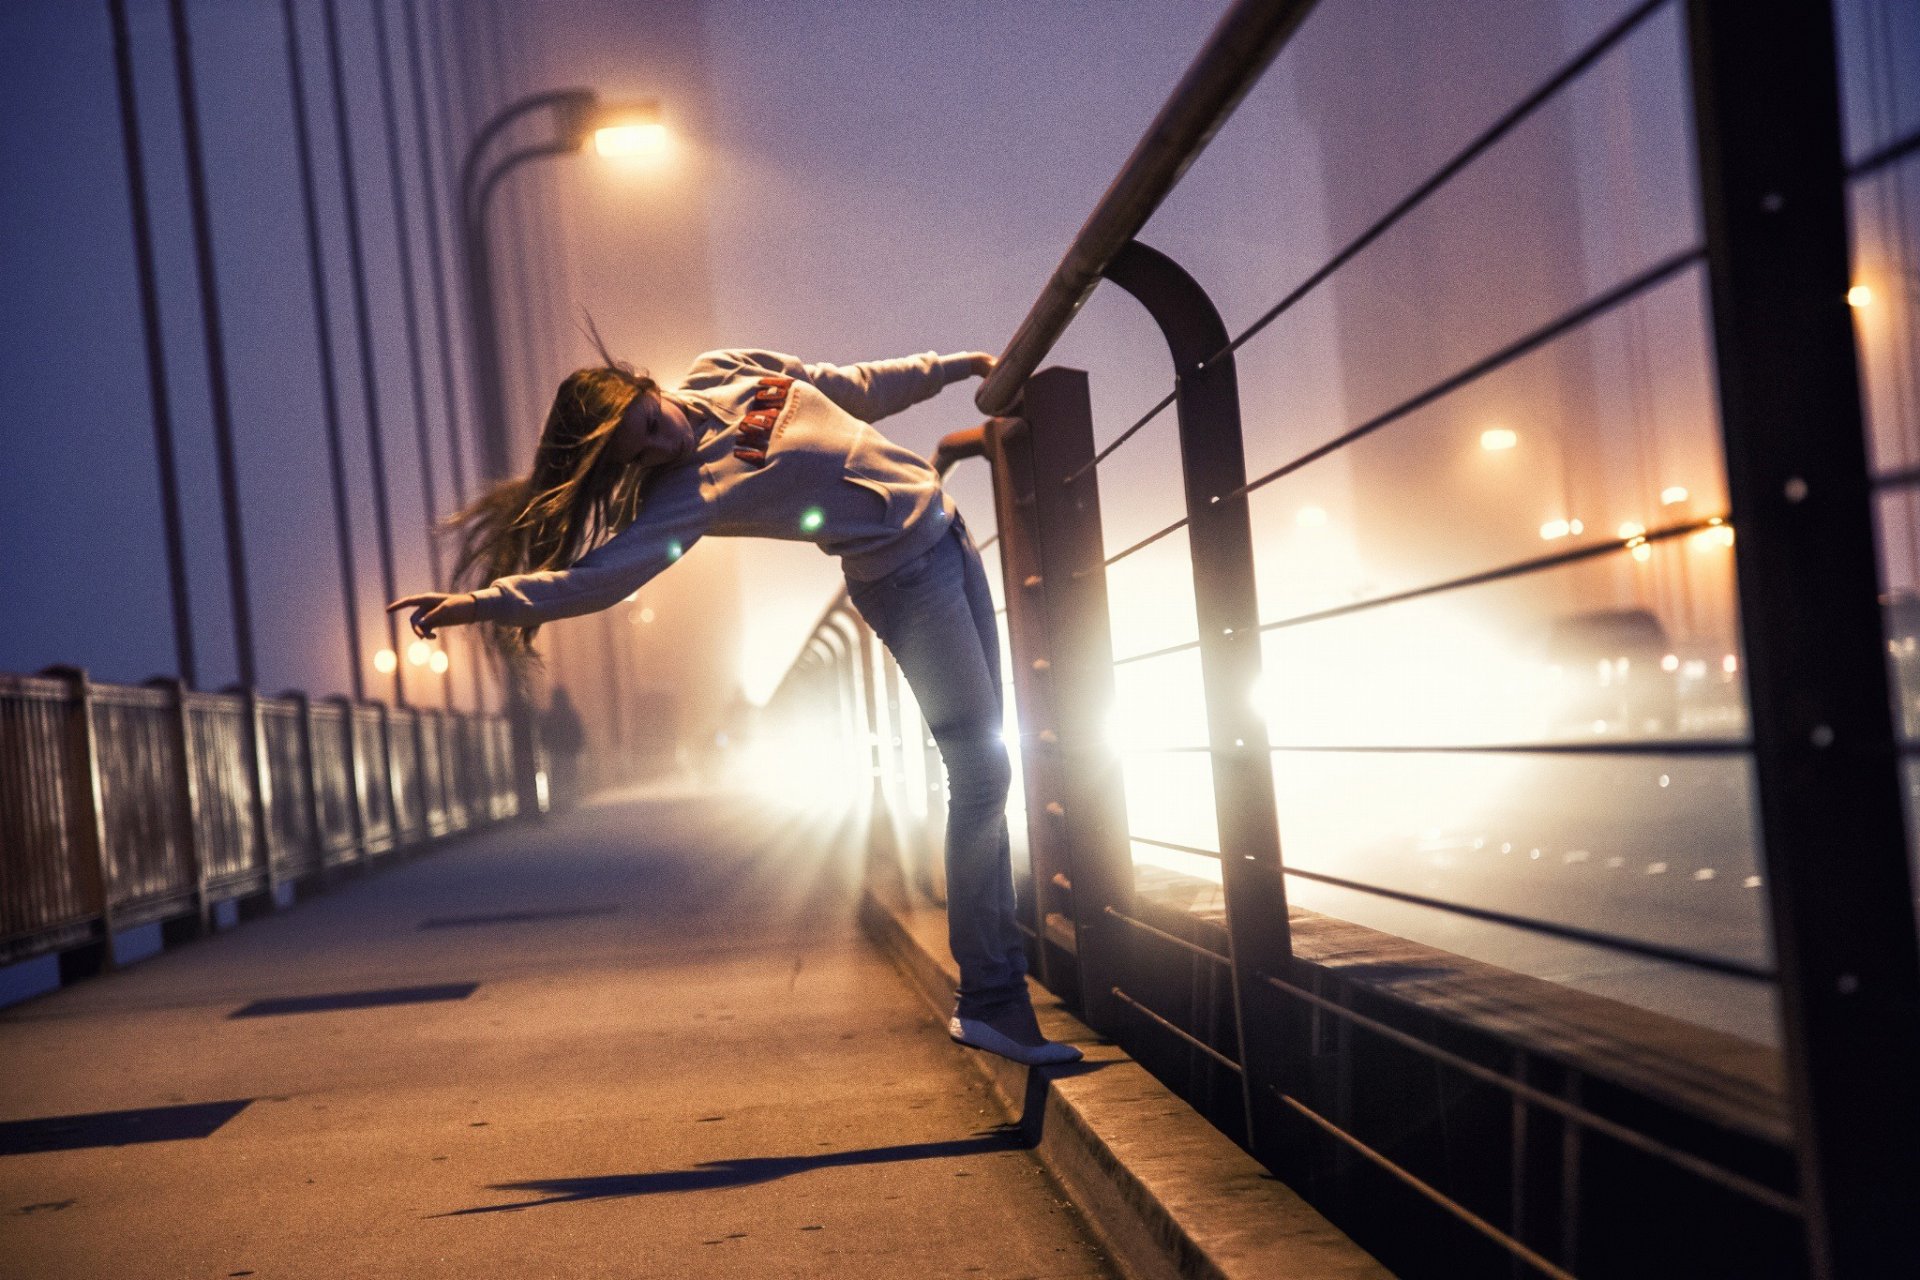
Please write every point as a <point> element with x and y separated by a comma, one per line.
<point>429,187</point>
<point>1213,464</point>
<point>410,313</point>
<point>519,219</point>
<point>157,390</point>
<point>1766,111</point>
<point>93,867</point>
<point>369,374</point>
<point>1010,452</point>
<point>1069,586</point>
<point>323,337</point>
<point>481,320</point>
<point>214,344</point>
<point>482,311</point>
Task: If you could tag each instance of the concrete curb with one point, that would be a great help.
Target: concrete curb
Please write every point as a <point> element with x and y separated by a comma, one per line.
<point>1167,1193</point>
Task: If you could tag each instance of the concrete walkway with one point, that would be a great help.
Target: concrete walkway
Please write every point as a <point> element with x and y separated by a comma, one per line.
<point>677,1057</point>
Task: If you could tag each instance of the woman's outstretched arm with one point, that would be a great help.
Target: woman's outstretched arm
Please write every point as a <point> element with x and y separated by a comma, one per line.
<point>875,389</point>
<point>671,520</point>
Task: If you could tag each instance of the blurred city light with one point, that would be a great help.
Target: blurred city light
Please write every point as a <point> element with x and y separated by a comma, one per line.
<point>438,662</point>
<point>419,652</point>
<point>1497,438</point>
<point>386,662</point>
<point>1859,296</point>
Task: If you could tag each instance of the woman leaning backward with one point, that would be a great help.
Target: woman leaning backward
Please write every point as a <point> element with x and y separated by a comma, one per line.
<point>755,444</point>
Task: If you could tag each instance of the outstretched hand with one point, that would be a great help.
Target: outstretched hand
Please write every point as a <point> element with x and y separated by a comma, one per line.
<point>433,609</point>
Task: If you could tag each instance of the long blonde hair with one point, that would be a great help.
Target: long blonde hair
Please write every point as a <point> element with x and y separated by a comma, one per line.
<point>576,496</point>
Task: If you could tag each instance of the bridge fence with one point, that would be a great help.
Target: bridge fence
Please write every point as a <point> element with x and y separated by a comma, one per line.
<point>123,806</point>
<point>1536,897</point>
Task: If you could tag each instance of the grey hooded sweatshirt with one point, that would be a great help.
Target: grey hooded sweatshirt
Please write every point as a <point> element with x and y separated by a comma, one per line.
<point>828,478</point>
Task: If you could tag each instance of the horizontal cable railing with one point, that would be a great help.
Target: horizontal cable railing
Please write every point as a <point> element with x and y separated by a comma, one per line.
<point>1082,883</point>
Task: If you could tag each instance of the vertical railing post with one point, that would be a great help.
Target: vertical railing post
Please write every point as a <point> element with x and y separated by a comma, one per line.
<point>1766,111</point>
<point>1213,466</point>
<point>356,777</point>
<point>187,797</point>
<point>396,789</point>
<point>310,762</point>
<point>93,868</point>
<point>1068,584</point>
<point>262,800</point>
<point>1010,453</point>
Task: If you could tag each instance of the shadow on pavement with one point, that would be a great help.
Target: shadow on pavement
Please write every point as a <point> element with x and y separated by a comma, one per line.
<point>716,1175</point>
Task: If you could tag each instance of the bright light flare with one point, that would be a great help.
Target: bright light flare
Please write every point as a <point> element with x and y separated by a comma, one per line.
<point>419,652</point>
<point>646,141</point>
<point>1673,495</point>
<point>438,662</point>
<point>1859,296</point>
<point>386,662</point>
<point>1496,439</point>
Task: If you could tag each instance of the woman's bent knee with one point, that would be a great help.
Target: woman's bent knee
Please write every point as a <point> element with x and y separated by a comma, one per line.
<point>978,771</point>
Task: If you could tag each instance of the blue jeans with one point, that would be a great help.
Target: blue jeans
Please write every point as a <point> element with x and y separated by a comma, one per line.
<point>935,615</point>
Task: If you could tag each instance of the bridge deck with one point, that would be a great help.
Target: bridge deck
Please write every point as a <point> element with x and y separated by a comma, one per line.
<point>644,1039</point>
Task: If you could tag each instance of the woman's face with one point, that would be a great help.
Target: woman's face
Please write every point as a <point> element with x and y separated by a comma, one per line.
<point>653,432</point>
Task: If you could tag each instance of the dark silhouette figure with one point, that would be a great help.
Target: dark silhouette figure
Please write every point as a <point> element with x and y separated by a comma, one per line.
<point>563,737</point>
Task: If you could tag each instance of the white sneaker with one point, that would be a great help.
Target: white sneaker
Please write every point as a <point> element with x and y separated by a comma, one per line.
<point>1014,1034</point>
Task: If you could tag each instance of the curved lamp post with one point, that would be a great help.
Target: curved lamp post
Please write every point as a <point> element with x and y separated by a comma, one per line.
<point>579,118</point>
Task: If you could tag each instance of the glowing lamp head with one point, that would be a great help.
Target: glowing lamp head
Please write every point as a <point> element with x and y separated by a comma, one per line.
<point>644,140</point>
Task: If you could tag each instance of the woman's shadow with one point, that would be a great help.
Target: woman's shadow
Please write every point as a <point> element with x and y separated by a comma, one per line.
<point>714,1175</point>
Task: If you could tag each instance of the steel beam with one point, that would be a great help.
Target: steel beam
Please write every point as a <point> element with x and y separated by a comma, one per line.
<point>1213,469</point>
<point>1068,586</point>
<point>1766,111</point>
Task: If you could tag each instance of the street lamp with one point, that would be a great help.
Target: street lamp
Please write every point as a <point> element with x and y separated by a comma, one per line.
<point>579,117</point>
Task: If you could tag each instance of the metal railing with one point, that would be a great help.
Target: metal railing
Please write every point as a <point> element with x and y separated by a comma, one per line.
<point>1548,1113</point>
<point>130,805</point>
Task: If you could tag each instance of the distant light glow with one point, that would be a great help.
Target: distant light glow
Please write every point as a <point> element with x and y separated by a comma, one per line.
<point>1673,494</point>
<point>1670,663</point>
<point>1642,552</point>
<point>631,140</point>
<point>1553,529</point>
<point>1859,296</point>
<point>1631,530</point>
<point>386,662</point>
<point>1730,664</point>
<point>674,550</point>
<point>1720,535</point>
<point>438,662</point>
<point>647,614</point>
<point>418,653</point>
<point>1494,439</point>
<point>812,518</point>
<point>1310,517</point>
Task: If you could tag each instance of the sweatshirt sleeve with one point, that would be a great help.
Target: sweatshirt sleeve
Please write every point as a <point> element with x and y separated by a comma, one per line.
<point>668,524</point>
<point>875,389</point>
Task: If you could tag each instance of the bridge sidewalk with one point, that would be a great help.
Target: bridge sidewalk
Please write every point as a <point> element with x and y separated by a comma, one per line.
<point>645,1039</point>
